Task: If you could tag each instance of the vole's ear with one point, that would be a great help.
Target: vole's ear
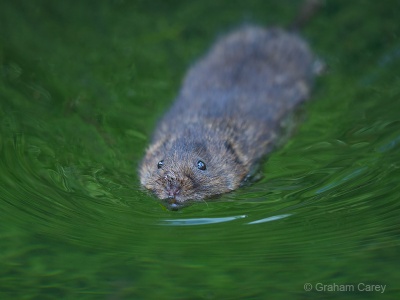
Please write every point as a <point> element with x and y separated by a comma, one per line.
<point>237,153</point>
<point>155,147</point>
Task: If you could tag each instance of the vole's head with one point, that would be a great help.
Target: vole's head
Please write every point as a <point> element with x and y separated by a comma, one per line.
<point>179,170</point>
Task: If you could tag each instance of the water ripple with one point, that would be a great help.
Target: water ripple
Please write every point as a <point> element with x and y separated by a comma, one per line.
<point>200,221</point>
<point>270,219</point>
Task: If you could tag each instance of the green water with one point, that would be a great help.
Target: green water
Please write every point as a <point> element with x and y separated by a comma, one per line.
<point>81,87</point>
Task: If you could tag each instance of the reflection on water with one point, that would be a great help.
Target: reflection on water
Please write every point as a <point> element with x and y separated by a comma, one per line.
<point>81,88</point>
<point>200,221</point>
<point>206,221</point>
<point>269,219</point>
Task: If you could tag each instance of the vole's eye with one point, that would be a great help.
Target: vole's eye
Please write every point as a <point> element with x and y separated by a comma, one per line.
<point>160,164</point>
<point>201,165</point>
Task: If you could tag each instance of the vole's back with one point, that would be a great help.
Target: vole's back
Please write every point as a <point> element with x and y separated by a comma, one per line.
<point>245,85</point>
<point>251,77</point>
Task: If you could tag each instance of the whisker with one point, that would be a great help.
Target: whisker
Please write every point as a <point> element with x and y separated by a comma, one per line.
<point>205,202</point>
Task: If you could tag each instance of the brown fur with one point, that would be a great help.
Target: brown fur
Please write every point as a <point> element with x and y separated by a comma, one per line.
<point>228,114</point>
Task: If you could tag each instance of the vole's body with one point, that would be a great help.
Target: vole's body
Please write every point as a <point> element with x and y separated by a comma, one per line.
<point>227,114</point>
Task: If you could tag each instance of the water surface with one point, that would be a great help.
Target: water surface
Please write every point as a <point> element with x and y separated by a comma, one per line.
<point>81,88</point>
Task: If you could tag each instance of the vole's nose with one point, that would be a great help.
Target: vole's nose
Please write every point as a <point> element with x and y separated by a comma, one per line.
<point>172,191</point>
<point>173,204</point>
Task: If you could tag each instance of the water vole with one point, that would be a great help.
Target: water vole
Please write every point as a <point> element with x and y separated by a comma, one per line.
<point>227,114</point>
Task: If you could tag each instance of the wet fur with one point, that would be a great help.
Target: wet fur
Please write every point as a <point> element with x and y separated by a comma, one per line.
<point>228,113</point>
